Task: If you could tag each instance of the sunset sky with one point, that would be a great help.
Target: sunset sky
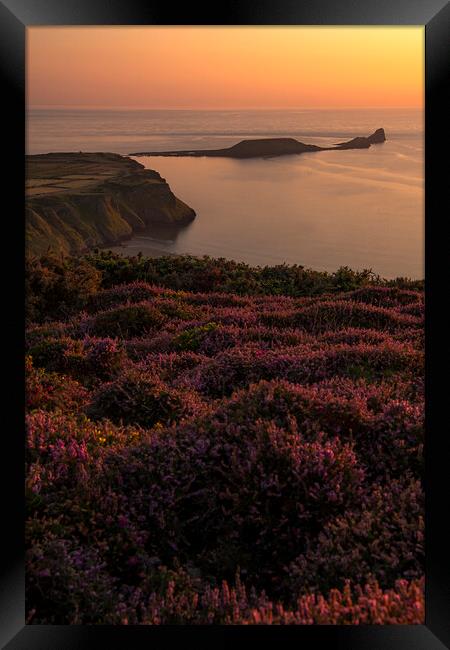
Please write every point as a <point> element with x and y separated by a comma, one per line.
<point>225,67</point>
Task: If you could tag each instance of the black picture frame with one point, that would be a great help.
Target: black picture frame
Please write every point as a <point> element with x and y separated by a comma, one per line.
<point>15,17</point>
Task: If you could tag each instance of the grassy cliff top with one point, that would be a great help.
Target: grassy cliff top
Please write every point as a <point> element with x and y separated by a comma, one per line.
<point>52,173</point>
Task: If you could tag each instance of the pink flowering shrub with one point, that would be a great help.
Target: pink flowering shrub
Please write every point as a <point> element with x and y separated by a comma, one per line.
<point>242,366</point>
<point>337,314</point>
<point>386,432</point>
<point>63,449</point>
<point>229,336</point>
<point>227,456</point>
<point>134,292</point>
<point>182,600</point>
<point>169,365</point>
<point>62,578</point>
<point>385,296</point>
<point>225,605</point>
<point>126,321</point>
<point>389,528</point>
<point>104,357</point>
<point>51,390</point>
<point>82,359</point>
<point>225,498</point>
<point>137,397</point>
<point>36,334</point>
<point>60,354</point>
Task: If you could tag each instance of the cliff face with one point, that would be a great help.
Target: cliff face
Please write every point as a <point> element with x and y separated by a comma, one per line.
<point>76,201</point>
<point>377,137</point>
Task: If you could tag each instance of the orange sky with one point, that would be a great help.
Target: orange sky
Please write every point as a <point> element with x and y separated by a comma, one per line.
<point>225,67</point>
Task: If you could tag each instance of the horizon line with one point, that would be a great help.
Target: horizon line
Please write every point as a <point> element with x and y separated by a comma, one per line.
<point>215,108</point>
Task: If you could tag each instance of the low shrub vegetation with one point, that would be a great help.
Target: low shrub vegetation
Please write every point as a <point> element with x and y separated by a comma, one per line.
<point>210,443</point>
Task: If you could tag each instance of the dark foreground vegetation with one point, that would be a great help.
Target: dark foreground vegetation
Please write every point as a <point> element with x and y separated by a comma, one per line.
<point>212,443</point>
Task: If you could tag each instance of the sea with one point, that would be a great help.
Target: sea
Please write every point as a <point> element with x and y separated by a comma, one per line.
<point>358,208</point>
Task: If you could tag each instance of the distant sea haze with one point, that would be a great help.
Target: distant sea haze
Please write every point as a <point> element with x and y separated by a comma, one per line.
<point>356,208</point>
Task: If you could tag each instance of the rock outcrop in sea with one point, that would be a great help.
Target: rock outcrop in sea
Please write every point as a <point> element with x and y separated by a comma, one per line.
<point>269,147</point>
<point>377,137</point>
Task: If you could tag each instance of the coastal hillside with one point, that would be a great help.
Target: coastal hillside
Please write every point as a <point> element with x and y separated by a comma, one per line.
<point>75,201</point>
<point>244,451</point>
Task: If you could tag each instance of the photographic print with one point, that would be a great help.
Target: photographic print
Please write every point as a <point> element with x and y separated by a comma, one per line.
<point>225,325</point>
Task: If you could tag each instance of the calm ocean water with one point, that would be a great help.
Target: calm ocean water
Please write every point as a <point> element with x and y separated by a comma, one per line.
<point>359,208</point>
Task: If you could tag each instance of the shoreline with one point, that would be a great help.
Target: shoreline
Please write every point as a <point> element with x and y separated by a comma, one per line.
<point>149,252</point>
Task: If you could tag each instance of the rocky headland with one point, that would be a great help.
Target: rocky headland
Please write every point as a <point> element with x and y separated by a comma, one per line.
<point>75,201</point>
<point>377,137</point>
<point>269,147</point>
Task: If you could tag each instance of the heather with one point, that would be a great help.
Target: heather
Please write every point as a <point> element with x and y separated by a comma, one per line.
<point>59,285</point>
<point>209,443</point>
